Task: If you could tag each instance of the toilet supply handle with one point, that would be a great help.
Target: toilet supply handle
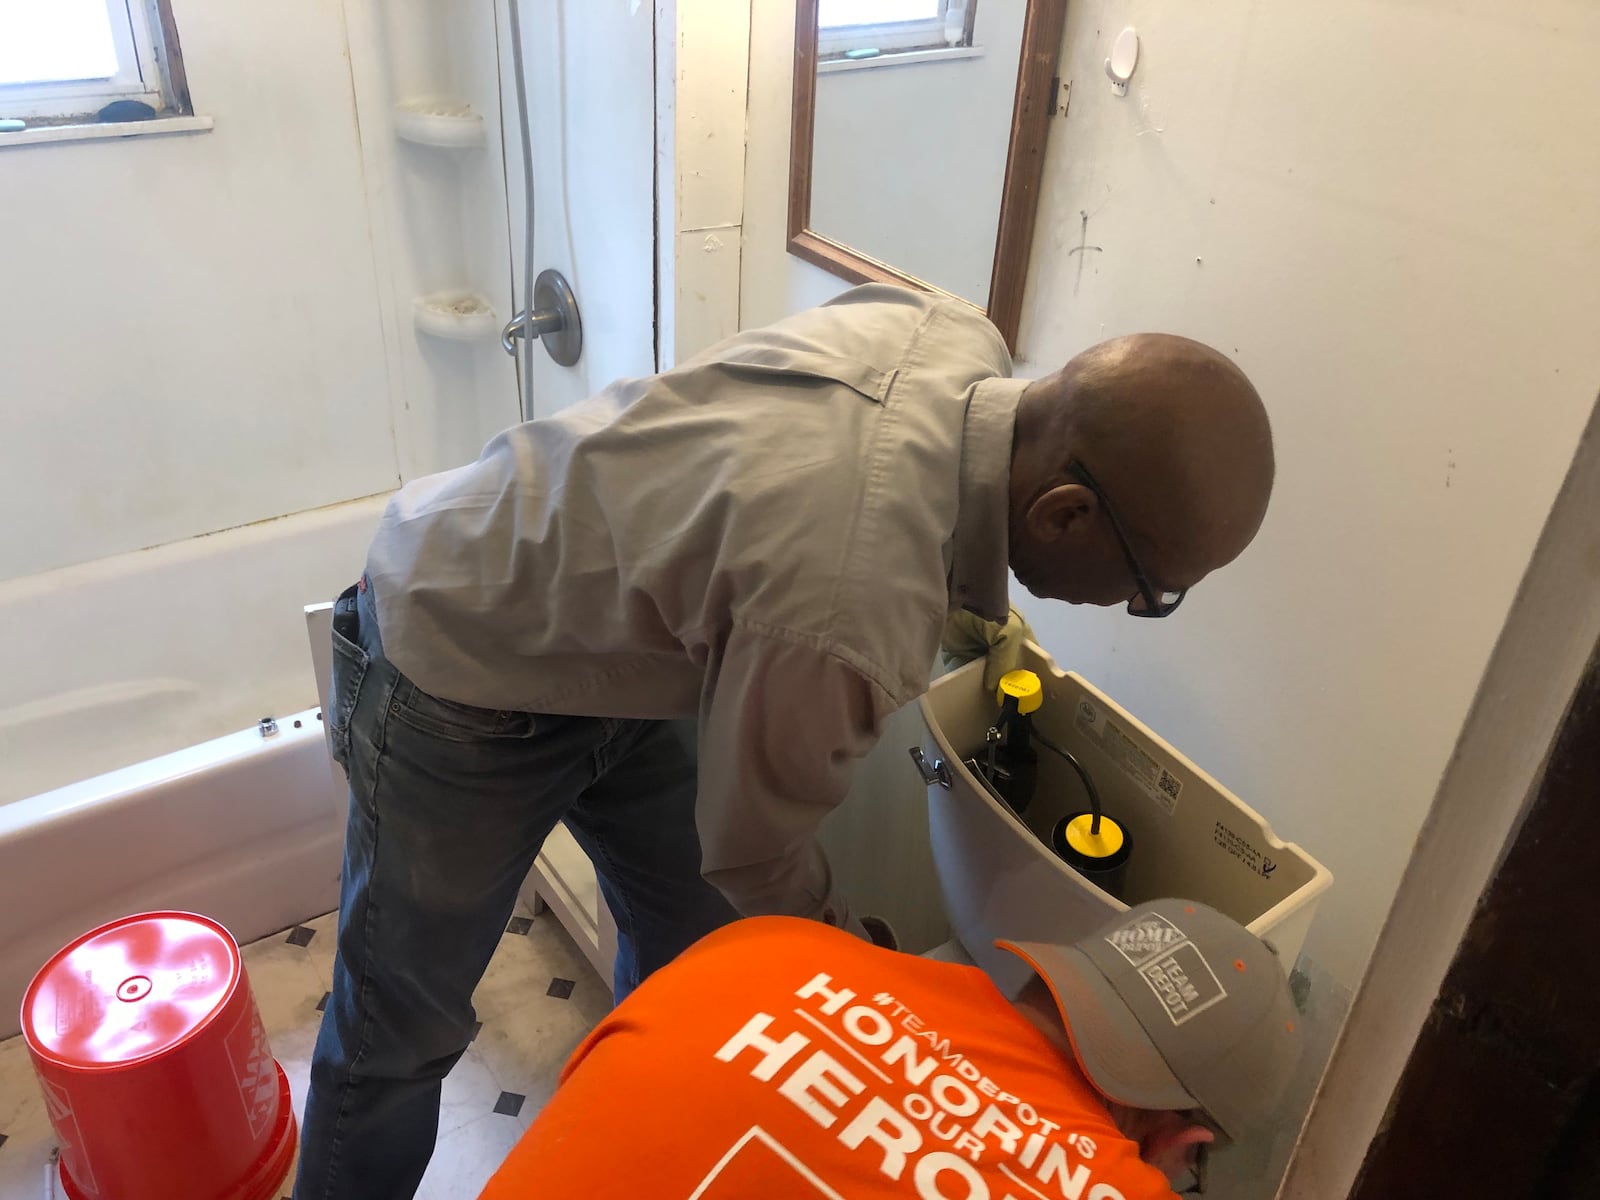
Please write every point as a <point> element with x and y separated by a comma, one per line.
<point>938,771</point>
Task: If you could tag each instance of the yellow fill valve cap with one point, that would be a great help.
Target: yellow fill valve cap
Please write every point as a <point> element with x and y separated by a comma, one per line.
<point>1024,687</point>
<point>1104,844</point>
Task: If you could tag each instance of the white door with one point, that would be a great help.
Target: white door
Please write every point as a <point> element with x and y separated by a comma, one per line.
<point>590,73</point>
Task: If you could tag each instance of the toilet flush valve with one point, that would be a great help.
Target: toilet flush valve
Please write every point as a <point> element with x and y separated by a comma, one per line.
<point>1096,847</point>
<point>1013,767</point>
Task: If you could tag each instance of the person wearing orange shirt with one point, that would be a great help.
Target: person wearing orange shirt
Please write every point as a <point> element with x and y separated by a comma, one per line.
<point>782,1058</point>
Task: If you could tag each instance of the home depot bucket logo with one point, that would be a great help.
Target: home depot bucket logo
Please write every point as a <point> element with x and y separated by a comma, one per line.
<point>1145,938</point>
<point>255,1071</point>
<point>73,1152</point>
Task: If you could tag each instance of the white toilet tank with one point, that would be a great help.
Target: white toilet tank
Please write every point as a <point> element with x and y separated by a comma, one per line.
<point>1190,837</point>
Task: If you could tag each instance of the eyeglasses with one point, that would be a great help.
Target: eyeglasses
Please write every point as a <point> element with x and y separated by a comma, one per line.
<point>1150,601</point>
<point>1198,1172</point>
<point>1200,1166</point>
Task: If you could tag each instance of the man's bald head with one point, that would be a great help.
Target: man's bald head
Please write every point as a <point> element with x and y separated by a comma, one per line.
<point>1177,440</point>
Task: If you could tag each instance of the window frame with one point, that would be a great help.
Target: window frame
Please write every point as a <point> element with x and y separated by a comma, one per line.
<point>149,69</point>
<point>838,42</point>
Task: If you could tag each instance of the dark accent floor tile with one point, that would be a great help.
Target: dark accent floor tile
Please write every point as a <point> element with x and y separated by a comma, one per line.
<point>1299,989</point>
<point>322,1005</point>
<point>519,925</point>
<point>561,989</point>
<point>509,1104</point>
<point>2,1139</point>
<point>300,936</point>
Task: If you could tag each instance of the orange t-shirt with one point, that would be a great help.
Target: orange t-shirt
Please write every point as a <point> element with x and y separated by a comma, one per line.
<point>783,1058</point>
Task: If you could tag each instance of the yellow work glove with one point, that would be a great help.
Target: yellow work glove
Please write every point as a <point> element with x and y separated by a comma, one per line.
<point>967,636</point>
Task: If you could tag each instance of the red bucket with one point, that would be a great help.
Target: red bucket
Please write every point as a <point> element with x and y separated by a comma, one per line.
<point>155,1067</point>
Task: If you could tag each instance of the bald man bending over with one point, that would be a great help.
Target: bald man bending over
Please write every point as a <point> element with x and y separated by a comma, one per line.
<point>769,538</point>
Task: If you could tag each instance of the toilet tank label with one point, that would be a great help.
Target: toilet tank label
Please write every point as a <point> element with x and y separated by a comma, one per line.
<point>1108,736</point>
<point>1245,851</point>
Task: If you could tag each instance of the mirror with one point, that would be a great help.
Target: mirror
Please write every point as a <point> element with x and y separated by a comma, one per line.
<point>918,142</point>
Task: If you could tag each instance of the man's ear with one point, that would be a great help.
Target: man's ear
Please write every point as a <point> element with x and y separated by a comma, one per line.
<point>1054,514</point>
<point>1175,1141</point>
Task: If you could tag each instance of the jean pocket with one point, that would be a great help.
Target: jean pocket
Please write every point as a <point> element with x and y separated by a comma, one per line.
<point>350,663</point>
<point>456,722</point>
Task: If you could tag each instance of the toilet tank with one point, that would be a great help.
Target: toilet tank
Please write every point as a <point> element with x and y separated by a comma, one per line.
<point>1191,837</point>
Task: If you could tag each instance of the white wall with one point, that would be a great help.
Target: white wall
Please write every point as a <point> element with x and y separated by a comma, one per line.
<point>1403,255</point>
<point>702,58</point>
<point>909,160</point>
<point>1493,780</point>
<point>189,328</point>
<point>206,331</point>
<point>591,80</point>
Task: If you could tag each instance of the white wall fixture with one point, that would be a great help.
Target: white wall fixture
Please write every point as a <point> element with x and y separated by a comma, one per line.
<point>1124,57</point>
<point>448,124</point>
<point>436,83</point>
<point>459,316</point>
<point>437,205</point>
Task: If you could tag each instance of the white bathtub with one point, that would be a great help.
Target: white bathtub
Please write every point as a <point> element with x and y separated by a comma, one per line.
<point>243,828</point>
<point>116,661</point>
<point>123,784</point>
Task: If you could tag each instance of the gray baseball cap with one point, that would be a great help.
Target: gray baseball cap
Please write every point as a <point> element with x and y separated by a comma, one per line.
<point>1174,1006</point>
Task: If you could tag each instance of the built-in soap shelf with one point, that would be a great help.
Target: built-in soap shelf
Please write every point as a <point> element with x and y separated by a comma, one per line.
<point>460,316</point>
<point>439,121</point>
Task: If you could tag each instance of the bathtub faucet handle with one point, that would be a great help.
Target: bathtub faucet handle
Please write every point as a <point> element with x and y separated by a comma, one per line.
<point>554,320</point>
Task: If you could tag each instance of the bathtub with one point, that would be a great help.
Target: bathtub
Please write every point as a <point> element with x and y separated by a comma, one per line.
<point>125,780</point>
<point>112,662</point>
<point>244,828</point>
<point>133,772</point>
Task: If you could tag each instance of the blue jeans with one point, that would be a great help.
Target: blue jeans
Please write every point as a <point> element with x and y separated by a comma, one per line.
<point>449,805</point>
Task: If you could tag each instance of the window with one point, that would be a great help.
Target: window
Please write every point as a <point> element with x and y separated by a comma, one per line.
<point>866,28</point>
<point>64,60</point>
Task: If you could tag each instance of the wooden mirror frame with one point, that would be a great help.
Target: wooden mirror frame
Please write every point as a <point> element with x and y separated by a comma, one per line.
<point>1042,28</point>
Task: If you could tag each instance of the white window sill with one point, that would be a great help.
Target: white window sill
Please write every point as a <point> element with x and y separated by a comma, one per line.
<point>899,58</point>
<point>102,131</point>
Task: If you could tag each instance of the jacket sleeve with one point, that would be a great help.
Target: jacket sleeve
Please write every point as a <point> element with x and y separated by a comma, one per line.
<point>782,723</point>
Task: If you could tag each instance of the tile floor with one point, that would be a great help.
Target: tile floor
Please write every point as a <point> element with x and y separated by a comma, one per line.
<point>537,1001</point>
